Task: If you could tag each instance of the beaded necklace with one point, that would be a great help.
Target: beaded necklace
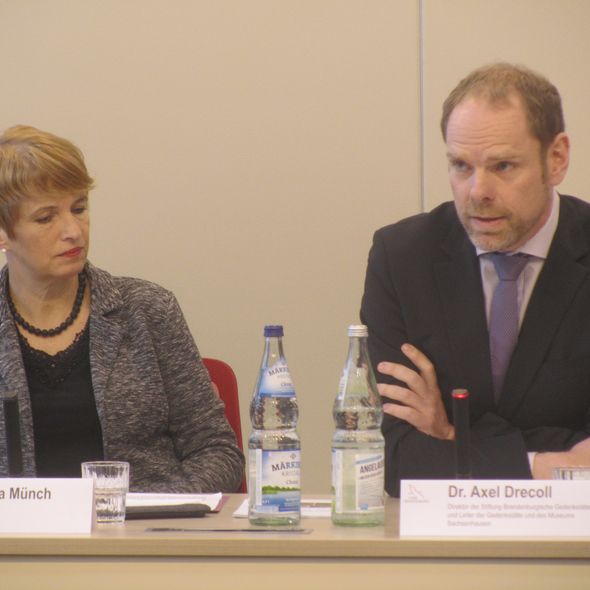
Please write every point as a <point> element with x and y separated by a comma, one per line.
<point>52,331</point>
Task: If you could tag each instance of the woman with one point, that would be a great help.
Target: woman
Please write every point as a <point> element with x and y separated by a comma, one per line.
<point>104,367</point>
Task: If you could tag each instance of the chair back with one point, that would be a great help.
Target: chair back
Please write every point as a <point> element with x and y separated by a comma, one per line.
<point>224,378</point>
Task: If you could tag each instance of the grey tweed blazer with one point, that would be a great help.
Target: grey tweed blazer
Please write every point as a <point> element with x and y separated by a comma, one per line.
<point>155,403</point>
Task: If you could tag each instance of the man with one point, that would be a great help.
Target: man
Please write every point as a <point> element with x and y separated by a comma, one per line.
<point>430,288</point>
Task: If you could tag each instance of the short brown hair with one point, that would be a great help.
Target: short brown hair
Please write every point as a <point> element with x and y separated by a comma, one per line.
<point>34,162</point>
<point>497,83</point>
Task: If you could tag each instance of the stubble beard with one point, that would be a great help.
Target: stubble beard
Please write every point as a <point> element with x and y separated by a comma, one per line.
<point>499,241</point>
<point>514,233</point>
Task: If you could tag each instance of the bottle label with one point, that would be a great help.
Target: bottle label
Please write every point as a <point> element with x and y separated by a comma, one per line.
<point>276,381</point>
<point>278,480</point>
<point>357,480</point>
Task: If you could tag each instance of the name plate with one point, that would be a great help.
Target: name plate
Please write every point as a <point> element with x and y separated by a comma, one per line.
<point>40,505</point>
<point>494,508</point>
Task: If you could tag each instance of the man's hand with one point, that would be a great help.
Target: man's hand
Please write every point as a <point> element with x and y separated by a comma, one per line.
<point>577,456</point>
<point>422,404</point>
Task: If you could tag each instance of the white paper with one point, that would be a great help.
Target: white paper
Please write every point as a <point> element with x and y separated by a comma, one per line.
<point>143,500</point>
<point>495,508</point>
<point>310,508</point>
<point>46,505</point>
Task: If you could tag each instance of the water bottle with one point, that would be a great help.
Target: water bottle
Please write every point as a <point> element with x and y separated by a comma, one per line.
<point>357,444</point>
<point>274,489</point>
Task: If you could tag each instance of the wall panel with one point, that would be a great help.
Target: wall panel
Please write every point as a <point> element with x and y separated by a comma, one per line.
<point>244,153</point>
<point>550,37</point>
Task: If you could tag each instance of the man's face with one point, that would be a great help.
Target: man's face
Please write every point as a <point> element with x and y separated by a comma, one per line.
<point>501,182</point>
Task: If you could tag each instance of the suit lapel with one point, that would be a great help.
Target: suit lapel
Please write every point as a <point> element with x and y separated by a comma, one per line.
<point>556,287</point>
<point>458,279</point>
<point>12,372</point>
<point>106,334</point>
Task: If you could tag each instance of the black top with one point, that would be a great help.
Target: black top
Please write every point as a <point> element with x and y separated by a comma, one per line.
<point>66,425</point>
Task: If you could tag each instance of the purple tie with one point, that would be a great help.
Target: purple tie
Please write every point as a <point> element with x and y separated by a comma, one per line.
<point>504,315</point>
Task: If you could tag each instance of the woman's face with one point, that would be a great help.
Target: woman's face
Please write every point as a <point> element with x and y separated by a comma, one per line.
<point>51,237</point>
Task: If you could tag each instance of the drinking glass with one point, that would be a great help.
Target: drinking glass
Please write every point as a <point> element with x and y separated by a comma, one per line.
<point>111,484</point>
<point>571,473</point>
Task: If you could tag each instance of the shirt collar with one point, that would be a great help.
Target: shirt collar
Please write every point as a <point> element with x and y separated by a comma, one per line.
<point>539,244</point>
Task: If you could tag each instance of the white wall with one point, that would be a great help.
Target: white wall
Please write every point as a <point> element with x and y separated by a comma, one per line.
<point>546,35</point>
<point>245,151</point>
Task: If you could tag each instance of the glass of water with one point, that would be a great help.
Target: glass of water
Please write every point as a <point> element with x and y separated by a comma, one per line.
<point>111,484</point>
<point>571,473</point>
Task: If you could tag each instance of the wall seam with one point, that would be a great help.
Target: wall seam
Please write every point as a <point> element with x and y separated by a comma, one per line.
<point>421,103</point>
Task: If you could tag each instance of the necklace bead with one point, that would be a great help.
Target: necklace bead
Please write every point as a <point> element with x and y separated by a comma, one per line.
<point>58,329</point>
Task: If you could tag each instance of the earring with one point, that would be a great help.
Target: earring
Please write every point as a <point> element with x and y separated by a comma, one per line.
<point>3,250</point>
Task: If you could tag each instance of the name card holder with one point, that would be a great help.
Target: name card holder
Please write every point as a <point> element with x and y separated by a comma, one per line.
<point>46,505</point>
<point>495,508</point>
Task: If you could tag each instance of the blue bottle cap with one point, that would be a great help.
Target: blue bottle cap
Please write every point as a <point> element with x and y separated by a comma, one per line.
<point>273,331</point>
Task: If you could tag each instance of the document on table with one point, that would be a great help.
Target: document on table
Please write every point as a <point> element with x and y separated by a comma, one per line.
<point>310,508</point>
<point>145,500</point>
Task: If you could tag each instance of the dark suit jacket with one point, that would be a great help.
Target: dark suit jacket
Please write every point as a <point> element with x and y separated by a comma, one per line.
<point>423,286</point>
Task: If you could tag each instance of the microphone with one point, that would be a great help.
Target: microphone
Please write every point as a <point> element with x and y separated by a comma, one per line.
<point>461,422</point>
<point>12,430</point>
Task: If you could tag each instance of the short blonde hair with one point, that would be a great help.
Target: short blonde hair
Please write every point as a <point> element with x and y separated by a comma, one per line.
<point>34,162</point>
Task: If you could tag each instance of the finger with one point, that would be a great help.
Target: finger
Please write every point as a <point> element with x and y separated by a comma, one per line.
<point>422,363</point>
<point>397,371</point>
<point>402,412</point>
<point>397,393</point>
<point>387,368</point>
<point>413,380</point>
